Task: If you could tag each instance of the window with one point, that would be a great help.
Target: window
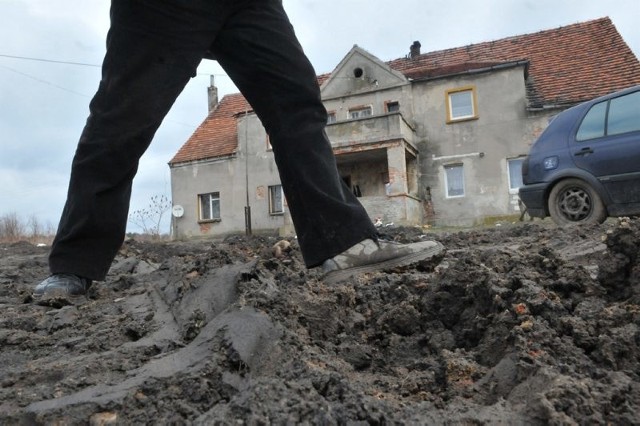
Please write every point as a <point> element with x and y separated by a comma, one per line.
<point>454,180</point>
<point>461,104</point>
<point>393,106</point>
<point>276,200</point>
<point>593,123</point>
<point>209,206</point>
<point>360,112</point>
<point>331,117</point>
<point>624,114</point>
<point>515,173</point>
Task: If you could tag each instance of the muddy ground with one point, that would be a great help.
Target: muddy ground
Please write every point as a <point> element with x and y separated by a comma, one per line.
<point>521,324</point>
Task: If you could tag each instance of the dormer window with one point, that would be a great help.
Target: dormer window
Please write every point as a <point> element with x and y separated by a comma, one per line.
<point>360,112</point>
<point>461,104</point>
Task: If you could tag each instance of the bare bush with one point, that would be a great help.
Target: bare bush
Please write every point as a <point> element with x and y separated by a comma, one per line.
<point>11,228</point>
<point>35,229</point>
<point>149,219</point>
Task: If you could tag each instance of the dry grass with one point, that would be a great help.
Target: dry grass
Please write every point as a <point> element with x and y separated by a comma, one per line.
<point>14,228</point>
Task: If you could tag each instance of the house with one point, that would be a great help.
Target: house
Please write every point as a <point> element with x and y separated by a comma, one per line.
<point>430,138</point>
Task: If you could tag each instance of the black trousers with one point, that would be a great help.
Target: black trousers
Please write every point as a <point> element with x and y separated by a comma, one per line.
<point>153,49</point>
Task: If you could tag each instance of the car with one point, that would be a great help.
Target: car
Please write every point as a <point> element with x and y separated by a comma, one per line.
<point>585,166</point>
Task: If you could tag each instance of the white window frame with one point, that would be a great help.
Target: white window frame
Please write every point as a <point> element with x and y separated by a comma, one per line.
<point>210,198</point>
<point>452,116</point>
<point>446,180</point>
<point>332,117</point>
<point>512,188</point>
<point>360,112</point>
<point>276,207</point>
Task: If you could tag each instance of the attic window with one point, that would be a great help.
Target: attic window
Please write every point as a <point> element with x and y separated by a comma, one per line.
<point>461,104</point>
<point>358,72</point>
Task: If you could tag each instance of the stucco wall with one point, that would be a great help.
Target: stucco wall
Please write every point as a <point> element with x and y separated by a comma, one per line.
<point>369,177</point>
<point>482,146</point>
<point>396,209</point>
<point>188,181</point>
<point>229,178</point>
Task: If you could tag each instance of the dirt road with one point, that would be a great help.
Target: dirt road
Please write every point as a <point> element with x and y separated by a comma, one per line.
<point>521,324</point>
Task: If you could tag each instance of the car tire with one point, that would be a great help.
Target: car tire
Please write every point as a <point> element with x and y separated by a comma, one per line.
<point>575,202</point>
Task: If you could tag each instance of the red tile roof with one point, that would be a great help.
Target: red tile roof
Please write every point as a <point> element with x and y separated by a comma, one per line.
<point>217,136</point>
<point>567,65</point>
<point>561,71</point>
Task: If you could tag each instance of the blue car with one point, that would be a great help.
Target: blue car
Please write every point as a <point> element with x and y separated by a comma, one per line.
<point>585,166</point>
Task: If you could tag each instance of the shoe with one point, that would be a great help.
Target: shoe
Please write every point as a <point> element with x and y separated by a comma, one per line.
<point>63,286</point>
<point>371,256</point>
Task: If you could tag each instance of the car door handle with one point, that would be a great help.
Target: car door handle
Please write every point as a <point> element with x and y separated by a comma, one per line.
<point>584,151</point>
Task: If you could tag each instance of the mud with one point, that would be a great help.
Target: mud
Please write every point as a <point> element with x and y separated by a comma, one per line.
<point>522,324</point>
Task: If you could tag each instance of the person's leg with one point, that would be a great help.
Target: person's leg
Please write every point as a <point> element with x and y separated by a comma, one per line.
<point>259,50</point>
<point>153,48</point>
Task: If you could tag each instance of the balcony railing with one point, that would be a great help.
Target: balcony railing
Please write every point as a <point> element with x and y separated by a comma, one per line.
<point>371,130</point>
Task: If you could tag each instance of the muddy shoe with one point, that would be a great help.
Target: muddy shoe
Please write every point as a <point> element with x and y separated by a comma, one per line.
<point>371,256</point>
<point>63,287</point>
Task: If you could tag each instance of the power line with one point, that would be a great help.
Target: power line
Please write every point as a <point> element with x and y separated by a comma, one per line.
<point>44,81</point>
<point>49,83</point>
<point>77,93</point>
<point>26,58</point>
<point>84,64</point>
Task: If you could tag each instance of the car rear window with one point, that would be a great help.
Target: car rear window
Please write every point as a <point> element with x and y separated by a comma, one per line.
<point>593,124</point>
<point>624,114</point>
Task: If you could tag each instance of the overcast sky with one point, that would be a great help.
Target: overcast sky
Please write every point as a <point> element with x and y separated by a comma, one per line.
<point>44,105</point>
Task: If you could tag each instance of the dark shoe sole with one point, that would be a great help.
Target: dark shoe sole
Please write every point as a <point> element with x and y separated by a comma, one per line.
<point>337,276</point>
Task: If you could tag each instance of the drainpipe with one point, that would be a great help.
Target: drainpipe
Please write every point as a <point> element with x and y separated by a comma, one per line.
<point>247,207</point>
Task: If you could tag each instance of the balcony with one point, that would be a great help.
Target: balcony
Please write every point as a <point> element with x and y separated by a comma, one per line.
<point>374,132</point>
<point>377,159</point>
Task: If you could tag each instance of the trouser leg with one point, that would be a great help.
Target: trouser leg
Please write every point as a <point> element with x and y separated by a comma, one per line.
<point>149,60</point>
<point>257,47</point>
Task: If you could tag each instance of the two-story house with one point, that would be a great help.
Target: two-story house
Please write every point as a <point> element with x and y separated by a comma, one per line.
<point>431,138</point>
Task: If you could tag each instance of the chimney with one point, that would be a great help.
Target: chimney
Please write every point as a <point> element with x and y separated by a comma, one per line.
<point>414,50</point>
<point>213,94</point>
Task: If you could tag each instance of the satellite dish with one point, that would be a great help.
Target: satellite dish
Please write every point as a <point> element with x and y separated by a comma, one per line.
<point>177,211</point>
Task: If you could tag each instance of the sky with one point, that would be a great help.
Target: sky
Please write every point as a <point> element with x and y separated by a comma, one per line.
<point>44,102</point>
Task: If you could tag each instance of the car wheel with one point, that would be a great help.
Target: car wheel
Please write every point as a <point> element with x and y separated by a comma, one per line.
<point>575,202</point>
